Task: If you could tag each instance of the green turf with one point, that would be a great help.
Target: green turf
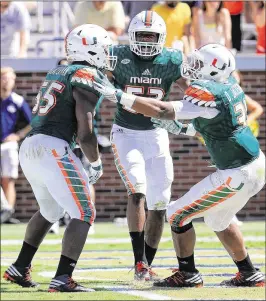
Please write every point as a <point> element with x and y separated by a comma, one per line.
<point>210,258</point>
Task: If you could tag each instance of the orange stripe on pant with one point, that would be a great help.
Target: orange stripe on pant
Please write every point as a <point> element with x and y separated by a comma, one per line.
<point>128,183</point>
<point>172,218</point>
<point>85,190</point>
<point>71,188</point>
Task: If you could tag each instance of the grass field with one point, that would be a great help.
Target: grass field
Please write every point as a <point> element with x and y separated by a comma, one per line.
<point>107,259</point>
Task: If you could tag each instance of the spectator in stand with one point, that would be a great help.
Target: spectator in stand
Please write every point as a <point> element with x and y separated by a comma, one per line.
<point>212,24</point>
<point>15,112</point>
<point>258,15</point>
<point>235,9</point>
<point>107,14</point>
<point>177,17</point>
<point>15,29</point>
<point>194,6</point>
<point>132,8</point>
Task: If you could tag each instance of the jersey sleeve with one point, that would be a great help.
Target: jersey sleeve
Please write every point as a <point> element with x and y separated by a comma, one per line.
<point>200,96</point>
<point>83,78</point>
<point>186,110</point>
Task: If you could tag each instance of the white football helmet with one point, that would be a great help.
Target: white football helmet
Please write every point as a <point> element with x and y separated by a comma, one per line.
<point>147,21</point>
<point>90,43</point>
<point>209,62</point>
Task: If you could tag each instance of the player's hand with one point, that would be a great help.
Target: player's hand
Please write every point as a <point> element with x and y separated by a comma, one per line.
<point>172,126</point>
<point>103,86</point>
<point>95,171</point>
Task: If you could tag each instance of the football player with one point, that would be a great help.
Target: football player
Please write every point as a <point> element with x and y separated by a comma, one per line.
<point>65,103</point>
<point>216,105</point>
<point>142,156</point>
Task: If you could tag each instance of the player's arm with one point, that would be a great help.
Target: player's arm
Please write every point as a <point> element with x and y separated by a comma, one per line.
<point>155,108</point>
<point>85,103</point>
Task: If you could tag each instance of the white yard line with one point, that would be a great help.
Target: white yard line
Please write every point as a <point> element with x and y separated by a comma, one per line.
<point>143,294</point>
<point>10,242</point>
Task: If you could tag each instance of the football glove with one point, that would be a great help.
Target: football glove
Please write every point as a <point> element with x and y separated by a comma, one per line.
<point>103,86</point>
<point>175,127</point>
<point>95,171</point>
<point>108,91</point>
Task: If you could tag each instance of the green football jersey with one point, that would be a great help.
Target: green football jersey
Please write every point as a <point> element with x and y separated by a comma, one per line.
<point>228,139</point>
<point>54,112</point>
<point>144,78</point>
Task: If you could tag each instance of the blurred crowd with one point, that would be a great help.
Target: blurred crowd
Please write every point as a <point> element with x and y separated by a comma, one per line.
<point>190,24</point>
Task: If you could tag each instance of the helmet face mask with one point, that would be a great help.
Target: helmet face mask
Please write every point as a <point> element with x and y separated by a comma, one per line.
<point>147,23</point>
<point>210,62</point>
<point>92,44</point>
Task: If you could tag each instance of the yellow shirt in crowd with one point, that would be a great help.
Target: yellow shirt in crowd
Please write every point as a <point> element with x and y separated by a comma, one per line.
<point>175,18</point>
<point>112,15</point>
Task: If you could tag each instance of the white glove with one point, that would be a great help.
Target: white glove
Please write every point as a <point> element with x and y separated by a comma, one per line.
<point>172,126</point>
<point>108,91</point>
<point>103,86</point>
<point>175,127</point>
<point>95,171</point>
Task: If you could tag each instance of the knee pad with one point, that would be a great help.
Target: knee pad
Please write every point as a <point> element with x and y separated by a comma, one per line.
<point>136,198</point>
<point>180,230</point>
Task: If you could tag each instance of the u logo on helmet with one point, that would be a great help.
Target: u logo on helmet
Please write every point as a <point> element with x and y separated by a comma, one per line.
<point>85,42</point>
<point>214,64</point>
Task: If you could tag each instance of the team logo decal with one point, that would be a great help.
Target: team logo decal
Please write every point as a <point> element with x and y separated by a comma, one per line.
<point>125,61</point>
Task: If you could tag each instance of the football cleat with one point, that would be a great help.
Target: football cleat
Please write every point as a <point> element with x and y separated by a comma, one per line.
<point>142,271</point>
<point>20,276</point>
<point>251,279</point>
<point>64,283</point>
<point>181,279</point>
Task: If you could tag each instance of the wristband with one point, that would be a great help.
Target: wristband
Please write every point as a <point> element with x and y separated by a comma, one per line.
<point>127,100</point>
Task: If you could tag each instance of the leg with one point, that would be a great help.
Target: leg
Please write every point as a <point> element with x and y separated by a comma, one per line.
<point>236,32</point>
<point>8,185</point>
<point>9,171</point>
<point>201,198</point>
<point>233,241</point>
<point>153,233</point>
<point>129,161</point>
<point>159,170</point>
<point>6,211</point>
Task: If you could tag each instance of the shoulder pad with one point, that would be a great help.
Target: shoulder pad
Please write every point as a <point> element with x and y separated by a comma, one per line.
<point>199,96</point>
<point>176,56</point>
<point>84,76</point>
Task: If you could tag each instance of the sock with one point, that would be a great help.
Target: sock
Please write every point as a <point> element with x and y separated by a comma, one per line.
<point>25,256</point>
<point>66,266</point>
<point>150,253</point>
<point>187,263</point>
<point>245,265</point>
<point>137,240</point>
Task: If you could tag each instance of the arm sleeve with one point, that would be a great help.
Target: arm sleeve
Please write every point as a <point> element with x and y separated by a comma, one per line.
<point>186,110</point>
